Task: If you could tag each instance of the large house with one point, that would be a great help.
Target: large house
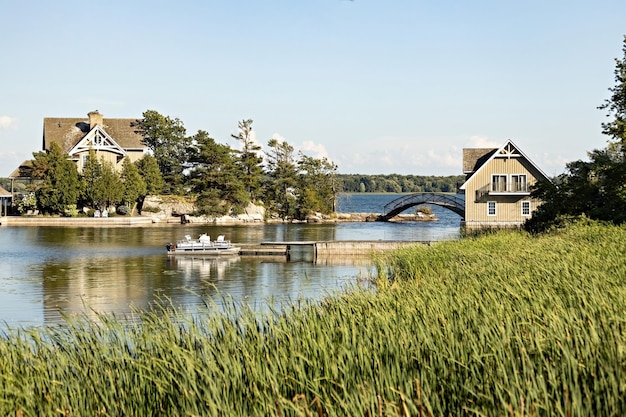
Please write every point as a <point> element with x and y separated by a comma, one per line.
<point>111,139</point>
<point>497,186</point>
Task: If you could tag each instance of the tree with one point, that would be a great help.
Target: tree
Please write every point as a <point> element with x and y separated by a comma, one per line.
<point>281,180</point>
<point>316,185</point>
<point>134,185</point>
<point>109,186</point>
<point>102,187</point>
<point>616,104</point>
<point>249,161</point>
<point>166,138</point>
<point>149,170</point>
<point>60,187</point>
<point>594,188</point>
<point>214,177</point>
<point>91,172</point>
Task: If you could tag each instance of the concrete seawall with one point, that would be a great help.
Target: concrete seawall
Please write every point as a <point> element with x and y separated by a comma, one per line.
<point>360,247</point>
<point>75,221</point>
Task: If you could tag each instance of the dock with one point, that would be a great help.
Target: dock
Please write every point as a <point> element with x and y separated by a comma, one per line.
<point>263,250</point>
<point>312,250</point>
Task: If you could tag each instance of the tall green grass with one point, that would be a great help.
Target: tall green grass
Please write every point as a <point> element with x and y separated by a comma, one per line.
<point>504,325</point>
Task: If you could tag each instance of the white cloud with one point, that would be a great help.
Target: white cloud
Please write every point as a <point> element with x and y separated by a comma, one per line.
<point>552,165</point>
<point>279,138</point>
<point>316,150</point>
<point>482,142</point>
<point>410,155</point>
<point>7,122</point>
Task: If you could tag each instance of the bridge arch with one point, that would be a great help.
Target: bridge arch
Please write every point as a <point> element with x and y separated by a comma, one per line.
<point>449,201</point>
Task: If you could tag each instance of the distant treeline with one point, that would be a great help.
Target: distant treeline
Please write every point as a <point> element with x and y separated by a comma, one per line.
<point>395,183</point>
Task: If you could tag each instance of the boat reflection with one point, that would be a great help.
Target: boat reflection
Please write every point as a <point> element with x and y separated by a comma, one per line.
<point>203,266</point>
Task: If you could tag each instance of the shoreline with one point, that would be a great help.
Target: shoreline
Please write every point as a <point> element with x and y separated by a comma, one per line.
<point>126,221</point>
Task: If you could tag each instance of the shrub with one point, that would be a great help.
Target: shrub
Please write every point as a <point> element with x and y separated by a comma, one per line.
<point>150,209</point>
<point>71,211</point>
<point>122,210</point>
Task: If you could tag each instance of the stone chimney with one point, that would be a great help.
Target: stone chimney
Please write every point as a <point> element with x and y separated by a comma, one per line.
<point>95,118</point>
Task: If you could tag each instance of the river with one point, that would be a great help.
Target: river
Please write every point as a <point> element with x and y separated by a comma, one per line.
<point>51,271</point>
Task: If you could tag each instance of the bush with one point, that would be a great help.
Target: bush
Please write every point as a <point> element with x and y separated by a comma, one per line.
<point>122,210</point>
<point>150,209</point>
<point>71,211</point>
<point>425,210</point>
<point>26,202</point>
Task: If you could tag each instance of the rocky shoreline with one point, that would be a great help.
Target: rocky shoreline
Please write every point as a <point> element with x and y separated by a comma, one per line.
<point>144,220</point>
<point>173,210</point>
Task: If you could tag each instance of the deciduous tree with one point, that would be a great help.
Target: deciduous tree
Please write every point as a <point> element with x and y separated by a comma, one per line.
<point>316,185</point>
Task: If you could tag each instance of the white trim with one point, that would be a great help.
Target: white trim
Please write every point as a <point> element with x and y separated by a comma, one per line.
<point>98,140</point>
<point>495,208</point>
<point>497,154</point>
<point>529,208</point>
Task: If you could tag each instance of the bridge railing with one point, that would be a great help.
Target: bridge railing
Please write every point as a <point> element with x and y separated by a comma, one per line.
<point>451,200</point>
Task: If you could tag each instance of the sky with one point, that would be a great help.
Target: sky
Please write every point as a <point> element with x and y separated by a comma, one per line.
<point>376,86</point>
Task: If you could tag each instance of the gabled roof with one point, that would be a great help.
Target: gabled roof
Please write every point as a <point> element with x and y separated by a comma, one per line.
<point>509,149</point>
<point>25,170</point>
<point>67,132</point>
<point>97,139</point>
<point>474,158</point>
<point>4,193</point>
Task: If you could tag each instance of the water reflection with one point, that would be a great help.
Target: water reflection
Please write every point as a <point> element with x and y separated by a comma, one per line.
<point>50,271</point>
<point>99,284</point>
<point>203,267</point>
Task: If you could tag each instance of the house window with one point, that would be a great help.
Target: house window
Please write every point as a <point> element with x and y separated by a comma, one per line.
<point>518,182</point>
<point>498,183</point>
<point>525,208</point>
<point>491,208</point>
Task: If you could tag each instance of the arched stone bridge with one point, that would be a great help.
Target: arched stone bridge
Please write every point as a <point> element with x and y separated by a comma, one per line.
<point>450,201</point>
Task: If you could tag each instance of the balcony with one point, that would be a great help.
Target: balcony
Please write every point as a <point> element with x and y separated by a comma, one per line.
<point>504,188</point>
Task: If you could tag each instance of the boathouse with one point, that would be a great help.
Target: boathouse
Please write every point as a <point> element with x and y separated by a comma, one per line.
<point>497,186</point>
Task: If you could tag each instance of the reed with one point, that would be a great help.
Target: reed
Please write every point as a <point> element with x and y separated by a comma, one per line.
<point>503,324</point>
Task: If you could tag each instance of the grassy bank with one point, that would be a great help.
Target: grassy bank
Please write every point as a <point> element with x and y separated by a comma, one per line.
<point>501,325</point>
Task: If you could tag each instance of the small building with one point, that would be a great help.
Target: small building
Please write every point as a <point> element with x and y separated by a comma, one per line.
<point>6,200</point>
<point>497,186</point>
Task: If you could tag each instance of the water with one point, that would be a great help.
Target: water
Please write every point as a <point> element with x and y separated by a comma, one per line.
<point>50,271</point>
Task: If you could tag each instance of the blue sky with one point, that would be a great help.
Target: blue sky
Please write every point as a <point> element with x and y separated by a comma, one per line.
<point>378,87</point>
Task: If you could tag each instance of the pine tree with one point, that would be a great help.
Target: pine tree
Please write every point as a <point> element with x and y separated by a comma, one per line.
<point>249,160</point>
<point>214,177</point>
<point>134,185</point>
<point>60,187</point>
